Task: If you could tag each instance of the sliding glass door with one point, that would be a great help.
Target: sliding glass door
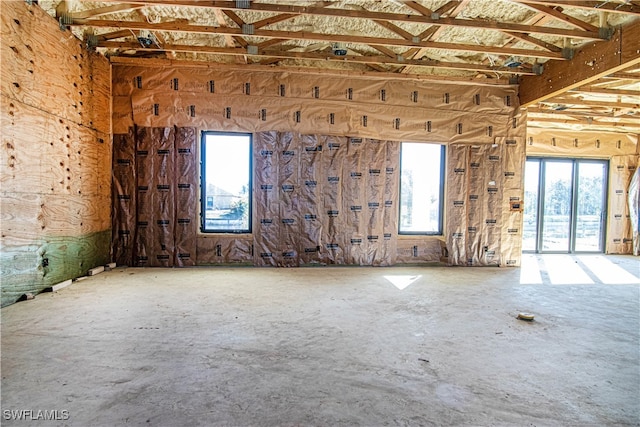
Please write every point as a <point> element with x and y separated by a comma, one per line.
<point>565,202</point>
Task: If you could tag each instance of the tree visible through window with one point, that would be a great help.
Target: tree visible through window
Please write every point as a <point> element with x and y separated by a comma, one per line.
<point>226,182</point>
<point>421,188</point>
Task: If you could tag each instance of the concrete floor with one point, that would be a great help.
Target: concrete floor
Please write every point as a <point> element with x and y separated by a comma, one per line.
<point>330,346</point>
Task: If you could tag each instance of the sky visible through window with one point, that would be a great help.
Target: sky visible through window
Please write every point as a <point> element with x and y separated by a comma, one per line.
<point>420,187</point>
<point>227,161</point>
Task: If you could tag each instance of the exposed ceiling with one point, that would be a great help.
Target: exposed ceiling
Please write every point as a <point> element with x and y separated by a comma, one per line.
<point>536,43</point>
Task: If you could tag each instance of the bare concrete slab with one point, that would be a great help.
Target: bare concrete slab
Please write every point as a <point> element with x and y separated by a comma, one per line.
<point>327,346</point>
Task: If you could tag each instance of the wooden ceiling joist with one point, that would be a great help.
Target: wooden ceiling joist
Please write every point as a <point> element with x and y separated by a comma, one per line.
<point>303,35</point>
<point>605,6</point>
<point>62,9</point>
<point>574,102</point>
<point>125,46</point>
<point>594,61</point>
<point>555,13</point>
<point>399,17</point>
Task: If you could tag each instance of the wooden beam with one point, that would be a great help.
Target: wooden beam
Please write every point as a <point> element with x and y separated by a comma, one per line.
<point>574,113</point>
<point>451,8</point>
<point>606,6</point>
<point>273,19</point>
<point>92,13</point>
<point>605,91</point>
<point>124,46</point>
<point>534,41</point>
<point>591,103</point>
<point>114,35</point>
<point>330,73</point>
<point>623,76</point>
<point>385,50</point>
<point>554,13</point>
<point>418,8</point>
<point>365,14</point>
<point>589,64</point>
<point>585,121</point>
<point>395,29</point>
<point>234,17</point>
<point>303,35</point>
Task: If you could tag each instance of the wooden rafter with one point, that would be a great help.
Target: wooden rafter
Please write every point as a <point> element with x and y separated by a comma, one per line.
<point>571,102</point>
<point>418,8</point>
<point>101,11</point>
<point>534,41</point>
<point>114,35</point>
<point>303,35</point>
<point>273,19</point>
<point>317,57</point>
<point>554,13</point>
<point>364,14</point>
<point>586,121</point>
<point>606,92</point>
<point>451,9</point>
<point>394,29</point>
<point>574,113</point>
<point>605,6</point>
<point>223,23</point>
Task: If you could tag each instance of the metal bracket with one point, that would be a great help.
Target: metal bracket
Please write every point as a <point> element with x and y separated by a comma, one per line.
<point>248,29</point>
<point>538,69</point>
<point>91,41</point>
<point>567,52</point>
<point>435,16</point>
<point>416,39</point>
<point>65,20</point>
<point>252,50</point>
<point>399,58</point>
<point>606,32</point>
<point>243,4</point>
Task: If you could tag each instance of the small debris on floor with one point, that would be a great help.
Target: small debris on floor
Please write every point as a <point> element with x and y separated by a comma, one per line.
<point>423,360</point>
<point>526,316</point>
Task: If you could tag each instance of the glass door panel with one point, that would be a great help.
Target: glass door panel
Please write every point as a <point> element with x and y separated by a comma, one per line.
<point>590,207</point>
<point>556,220</point>
<point>531,186</point>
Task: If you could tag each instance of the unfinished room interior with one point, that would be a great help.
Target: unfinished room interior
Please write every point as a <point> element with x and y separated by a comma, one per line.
<point>302,212</point>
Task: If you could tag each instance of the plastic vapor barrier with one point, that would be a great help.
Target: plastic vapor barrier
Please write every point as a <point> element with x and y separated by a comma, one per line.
<point>325,166</point>
<point>124,197</point>
<point>620,230</point>
<point>634,210</point>
<point>324,200</point>
<point>155,197</point>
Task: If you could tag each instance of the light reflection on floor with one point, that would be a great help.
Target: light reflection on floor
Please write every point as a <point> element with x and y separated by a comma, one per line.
<point>564,269</point>
<point>402,281</point>
<point>608,272</point>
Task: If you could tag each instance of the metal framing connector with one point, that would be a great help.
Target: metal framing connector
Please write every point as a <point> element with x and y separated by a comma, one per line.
<point>248,29</point>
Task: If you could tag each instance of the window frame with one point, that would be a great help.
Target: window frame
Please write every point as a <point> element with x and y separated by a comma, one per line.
<point>203,183</point>
<point>441,194</point>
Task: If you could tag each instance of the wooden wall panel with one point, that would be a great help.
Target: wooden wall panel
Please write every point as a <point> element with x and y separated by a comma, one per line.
<point>51,70</point>
<point>55,153</point>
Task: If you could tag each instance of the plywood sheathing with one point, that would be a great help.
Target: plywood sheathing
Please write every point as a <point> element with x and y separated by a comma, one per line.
<point>55,153</point>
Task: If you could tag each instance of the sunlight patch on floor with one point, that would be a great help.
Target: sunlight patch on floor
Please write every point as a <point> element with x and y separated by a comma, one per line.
<point>608,272</point>
<point>564,270</point>
<point>530,271</point>
<point>402,282</point>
